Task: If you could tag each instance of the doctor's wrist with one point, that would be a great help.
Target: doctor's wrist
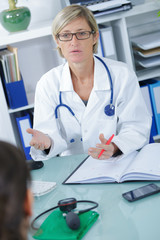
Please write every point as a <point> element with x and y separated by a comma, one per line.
<point>47,150</point>
<point>116,151</point>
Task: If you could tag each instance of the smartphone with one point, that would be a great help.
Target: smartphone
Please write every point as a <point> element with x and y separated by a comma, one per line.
<point>141,192</point>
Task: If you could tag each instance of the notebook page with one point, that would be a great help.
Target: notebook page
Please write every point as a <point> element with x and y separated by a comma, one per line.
<point>146,163</point>
<point>96,171</point>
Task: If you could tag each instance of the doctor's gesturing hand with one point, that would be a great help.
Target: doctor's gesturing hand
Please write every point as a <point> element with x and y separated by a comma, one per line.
<point>39,140</point>
<point>109,150</point>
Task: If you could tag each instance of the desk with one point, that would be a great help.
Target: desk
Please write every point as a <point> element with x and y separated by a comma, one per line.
<point>118,218</point>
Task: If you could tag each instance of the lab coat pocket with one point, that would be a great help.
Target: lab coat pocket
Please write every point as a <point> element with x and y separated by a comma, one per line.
<point>107,124</point>
<point>70,130</point>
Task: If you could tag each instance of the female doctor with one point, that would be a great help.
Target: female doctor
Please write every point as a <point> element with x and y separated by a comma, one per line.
<point>81,103</point>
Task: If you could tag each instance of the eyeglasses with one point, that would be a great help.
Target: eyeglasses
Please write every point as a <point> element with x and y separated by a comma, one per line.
<point>79,35</point>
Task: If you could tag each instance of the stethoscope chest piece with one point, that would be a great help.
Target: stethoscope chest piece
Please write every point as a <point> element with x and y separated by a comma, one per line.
<point>109,110</point>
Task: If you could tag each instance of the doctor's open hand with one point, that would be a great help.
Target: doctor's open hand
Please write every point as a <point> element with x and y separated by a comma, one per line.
<point>39,140</point>
<point>109,150</point>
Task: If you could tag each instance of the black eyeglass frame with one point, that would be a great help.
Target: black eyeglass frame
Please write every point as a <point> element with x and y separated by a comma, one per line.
<point>75,34</point>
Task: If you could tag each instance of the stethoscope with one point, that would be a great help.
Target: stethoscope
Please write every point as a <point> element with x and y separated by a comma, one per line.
<point>108,110</point>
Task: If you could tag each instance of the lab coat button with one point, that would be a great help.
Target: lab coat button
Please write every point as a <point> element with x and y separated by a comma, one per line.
<point>72,140</point>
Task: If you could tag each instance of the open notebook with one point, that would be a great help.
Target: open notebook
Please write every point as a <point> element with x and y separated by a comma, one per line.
<point>141,166</point>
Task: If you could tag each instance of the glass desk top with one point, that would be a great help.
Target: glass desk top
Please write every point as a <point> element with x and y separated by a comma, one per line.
<point>118,219</point>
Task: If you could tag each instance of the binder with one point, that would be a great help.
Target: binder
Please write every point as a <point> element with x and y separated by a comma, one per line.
<point>14,90</point>
<point>107,42</point>
<point>154,89</point>
<point>147,98</point>
<point>16,94</point>
<point>15,51</point>
<point>23,123</point>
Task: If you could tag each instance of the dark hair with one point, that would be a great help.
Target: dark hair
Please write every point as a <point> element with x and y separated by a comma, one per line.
<point>14,177</point>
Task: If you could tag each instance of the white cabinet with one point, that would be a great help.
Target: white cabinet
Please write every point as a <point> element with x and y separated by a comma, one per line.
<point>140,20</point>
<point>37,54</point>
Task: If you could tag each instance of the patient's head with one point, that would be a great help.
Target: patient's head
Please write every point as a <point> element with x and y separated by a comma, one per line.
<point>15,195</point>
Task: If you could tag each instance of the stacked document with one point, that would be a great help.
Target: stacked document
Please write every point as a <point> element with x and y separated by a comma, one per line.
<point>147,53</point>
<point>146,50</point>
<point>104,7</point>
<point>100,8</point>
<point>147,41</point>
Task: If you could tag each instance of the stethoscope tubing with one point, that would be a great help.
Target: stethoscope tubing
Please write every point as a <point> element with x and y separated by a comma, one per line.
<point>110,106</point>
<point>110,78</point>
<point>62,105</point>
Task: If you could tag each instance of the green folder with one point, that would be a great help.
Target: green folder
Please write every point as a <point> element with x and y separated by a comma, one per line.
<point>55,227</point>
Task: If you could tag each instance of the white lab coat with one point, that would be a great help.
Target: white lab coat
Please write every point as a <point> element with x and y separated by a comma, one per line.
<point>74,135</point>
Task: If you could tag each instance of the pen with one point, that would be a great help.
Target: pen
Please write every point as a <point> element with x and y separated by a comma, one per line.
<point>107,143</point>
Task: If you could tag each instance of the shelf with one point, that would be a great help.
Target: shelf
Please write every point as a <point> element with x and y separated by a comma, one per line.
<point>148,73</point>
<point>21,108</point>
<point>42,29</point>
<point>147,7</point>
<point>38,30</point>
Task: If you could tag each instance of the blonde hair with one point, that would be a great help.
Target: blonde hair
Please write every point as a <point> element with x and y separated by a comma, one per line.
<point>70,13</point>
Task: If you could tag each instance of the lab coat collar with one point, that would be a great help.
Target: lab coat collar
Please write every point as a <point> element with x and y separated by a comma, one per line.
<point>101,79</point>
<point>66,81</point>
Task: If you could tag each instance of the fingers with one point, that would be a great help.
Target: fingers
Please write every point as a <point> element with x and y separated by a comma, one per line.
<point>33,141</point>
<point>94,152</point>
<point>109,150</point>
<point>38,144</point>
<point>102,139</point>
<point>106,154</point>
<point>30,131</point>
<point>39,140</point>
<point>103,144</point>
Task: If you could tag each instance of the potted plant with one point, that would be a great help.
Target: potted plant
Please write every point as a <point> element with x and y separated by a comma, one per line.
<point>15,18</point>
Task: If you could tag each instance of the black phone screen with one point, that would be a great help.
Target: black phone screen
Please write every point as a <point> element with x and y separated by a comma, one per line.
<point>141,192</point>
